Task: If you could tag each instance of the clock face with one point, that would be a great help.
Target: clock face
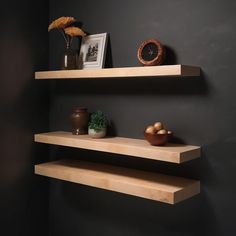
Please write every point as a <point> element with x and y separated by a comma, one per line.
<point>149,52</point>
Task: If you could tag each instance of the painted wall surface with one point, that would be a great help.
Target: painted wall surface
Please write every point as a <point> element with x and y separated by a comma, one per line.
<point>24,111</point>
<point>199,110</point>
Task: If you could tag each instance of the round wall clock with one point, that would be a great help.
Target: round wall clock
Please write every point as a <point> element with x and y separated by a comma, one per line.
<point>151,52</point>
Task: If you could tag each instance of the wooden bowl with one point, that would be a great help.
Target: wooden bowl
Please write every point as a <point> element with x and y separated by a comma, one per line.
<point>157,139</point>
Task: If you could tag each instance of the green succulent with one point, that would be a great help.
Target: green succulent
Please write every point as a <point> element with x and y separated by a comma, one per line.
<point>98,121</point>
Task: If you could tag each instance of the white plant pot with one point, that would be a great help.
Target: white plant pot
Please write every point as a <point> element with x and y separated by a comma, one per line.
<point>97,134</point>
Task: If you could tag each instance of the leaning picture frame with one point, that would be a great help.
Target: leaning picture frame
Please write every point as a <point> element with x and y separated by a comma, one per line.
<point>93,51</point>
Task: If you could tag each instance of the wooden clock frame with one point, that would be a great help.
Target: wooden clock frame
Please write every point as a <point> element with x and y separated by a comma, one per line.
<point>160,55</point>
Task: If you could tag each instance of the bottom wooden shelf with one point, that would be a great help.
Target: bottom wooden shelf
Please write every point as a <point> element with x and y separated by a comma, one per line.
<point>163,188</point>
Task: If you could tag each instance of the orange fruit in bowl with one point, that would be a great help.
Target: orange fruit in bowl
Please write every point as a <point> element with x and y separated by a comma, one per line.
<point>150,130</point>
<point>162,131</point>
<point>158,126</point>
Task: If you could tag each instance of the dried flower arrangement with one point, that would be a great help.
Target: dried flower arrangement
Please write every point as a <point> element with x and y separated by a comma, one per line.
<point>64,26</point>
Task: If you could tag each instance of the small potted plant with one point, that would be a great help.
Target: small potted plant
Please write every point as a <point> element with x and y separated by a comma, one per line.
<point>97,125</point>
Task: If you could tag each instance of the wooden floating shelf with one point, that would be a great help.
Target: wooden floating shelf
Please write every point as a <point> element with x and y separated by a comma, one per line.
<point>175,153</point>
<point>142,71</point>
<point>158,187</point>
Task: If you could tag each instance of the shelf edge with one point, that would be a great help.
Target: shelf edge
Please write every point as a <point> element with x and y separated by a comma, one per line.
<point>124,147</point>
<point>149,185</point>
<point>125,72</point>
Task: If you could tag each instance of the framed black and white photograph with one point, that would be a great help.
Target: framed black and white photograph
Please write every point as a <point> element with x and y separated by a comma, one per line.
<point>93,51</point>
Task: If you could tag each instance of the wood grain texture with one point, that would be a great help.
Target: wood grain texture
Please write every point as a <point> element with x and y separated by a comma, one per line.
<point>158,187</point>
<point>175,153</point>
<point>147,71</point>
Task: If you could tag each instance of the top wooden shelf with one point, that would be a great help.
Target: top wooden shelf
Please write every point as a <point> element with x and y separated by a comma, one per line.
<point>142,71</point>
<point>175,153</point>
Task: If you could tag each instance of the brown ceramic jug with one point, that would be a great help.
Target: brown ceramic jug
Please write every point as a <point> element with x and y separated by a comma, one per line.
<point>79,120</point>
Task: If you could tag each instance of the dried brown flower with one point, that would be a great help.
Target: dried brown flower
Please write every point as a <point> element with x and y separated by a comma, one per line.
<point>61,22</point>
<point>63,25</point>
<point>74,31</point>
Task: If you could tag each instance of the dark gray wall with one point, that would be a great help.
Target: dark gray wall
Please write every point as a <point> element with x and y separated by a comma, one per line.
<point>199,110</point>
<point>24,111</point>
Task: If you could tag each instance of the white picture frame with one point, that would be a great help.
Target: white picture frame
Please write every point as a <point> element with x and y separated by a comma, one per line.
<point>93,51</point>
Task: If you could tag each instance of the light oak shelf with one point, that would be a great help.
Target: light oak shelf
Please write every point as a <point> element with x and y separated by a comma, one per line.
<point>158,187</point>
<point>142,71</point>
<point>175,153</point>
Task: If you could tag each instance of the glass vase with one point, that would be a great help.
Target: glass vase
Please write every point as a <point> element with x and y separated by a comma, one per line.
<point>69,58</point>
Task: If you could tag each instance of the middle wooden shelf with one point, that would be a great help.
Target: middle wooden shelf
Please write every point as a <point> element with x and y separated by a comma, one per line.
<point>175,153</point>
